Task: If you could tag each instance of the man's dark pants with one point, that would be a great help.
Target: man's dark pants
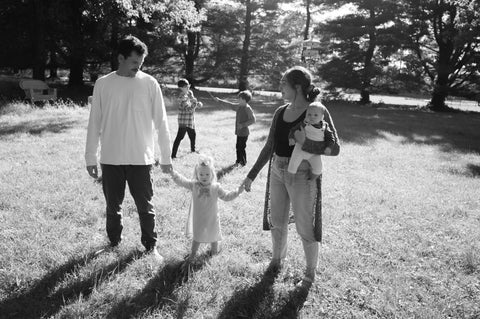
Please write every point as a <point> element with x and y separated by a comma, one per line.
<point>241,153</point>
<point>140,184</point>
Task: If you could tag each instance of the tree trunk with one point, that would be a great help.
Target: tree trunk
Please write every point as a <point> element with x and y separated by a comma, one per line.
<point>306,32</point>
<point>368,65</point>
<point>114,45</point>
<point>53,65</point>
<point>77,54</point>
<point>307,23</point>
<point>77,64</point>
<point>191,55</point>
<point>444,69</point>
<point>245,60</point>
<point>39,47</point>
<point>441,88</point>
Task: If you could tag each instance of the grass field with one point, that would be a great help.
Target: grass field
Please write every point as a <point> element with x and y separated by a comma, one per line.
<point>401,224</point>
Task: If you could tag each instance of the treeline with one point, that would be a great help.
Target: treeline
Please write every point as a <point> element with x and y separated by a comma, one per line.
<point>374,46</point>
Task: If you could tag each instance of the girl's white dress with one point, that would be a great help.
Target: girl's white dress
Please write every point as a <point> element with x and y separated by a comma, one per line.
<point>203,221</point>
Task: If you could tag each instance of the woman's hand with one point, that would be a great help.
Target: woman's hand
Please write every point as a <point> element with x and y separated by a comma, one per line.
<point>247,183</point>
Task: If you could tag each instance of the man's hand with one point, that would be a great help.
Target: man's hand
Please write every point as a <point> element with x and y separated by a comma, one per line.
<point>247,182</point>
<point>166,168</point>
<point>93,171</point>
<point>291,141</point>
<point>328,151</point>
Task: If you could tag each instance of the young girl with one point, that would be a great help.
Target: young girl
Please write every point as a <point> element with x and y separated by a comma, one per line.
<point>203,219</point>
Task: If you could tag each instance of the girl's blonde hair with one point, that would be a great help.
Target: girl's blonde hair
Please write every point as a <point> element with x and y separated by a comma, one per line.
<point>205,161</point>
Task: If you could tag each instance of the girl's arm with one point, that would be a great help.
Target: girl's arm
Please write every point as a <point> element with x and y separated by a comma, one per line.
<point>182,181</point>
<point>228,196</point>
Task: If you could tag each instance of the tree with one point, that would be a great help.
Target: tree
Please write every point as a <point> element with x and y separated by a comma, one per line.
<point>361,41</point>
<point>245,60</point>
<point>445,35</point>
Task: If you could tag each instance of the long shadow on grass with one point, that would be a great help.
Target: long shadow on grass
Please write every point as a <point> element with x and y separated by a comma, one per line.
<point>225,170</point>
<point>37,128</point>
<point>158,292</point>
<point>474,170</point>
<point>248,302</point>
<point>40,302</point>
<point>456,131</point>
<point>292,304</point>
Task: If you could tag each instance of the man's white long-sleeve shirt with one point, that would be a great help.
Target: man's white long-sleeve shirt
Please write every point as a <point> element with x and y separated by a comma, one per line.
<point>124,115</point>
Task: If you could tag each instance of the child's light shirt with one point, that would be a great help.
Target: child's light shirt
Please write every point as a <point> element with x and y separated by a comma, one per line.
<point>315,133</point>
<point>203,221</point>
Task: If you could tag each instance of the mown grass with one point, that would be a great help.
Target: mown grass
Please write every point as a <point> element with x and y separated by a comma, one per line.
<point>401,220</point>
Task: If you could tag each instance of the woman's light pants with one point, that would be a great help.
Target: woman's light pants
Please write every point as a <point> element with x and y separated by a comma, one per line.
<point>301,194</point>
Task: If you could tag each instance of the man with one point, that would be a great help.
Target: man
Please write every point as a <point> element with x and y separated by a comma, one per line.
<point>127,108</point>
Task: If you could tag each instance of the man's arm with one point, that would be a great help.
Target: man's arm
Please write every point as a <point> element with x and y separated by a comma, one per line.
<point>93,132</point>
<point>163,131</point>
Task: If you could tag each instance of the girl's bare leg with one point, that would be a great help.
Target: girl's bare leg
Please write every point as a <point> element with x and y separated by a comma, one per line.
<point>193,253</point>
<point>214,248</point>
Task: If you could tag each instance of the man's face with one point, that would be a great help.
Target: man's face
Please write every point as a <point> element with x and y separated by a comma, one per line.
<point>131,64</point>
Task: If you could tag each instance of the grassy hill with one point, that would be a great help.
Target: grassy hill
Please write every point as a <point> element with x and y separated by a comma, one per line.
<point>401,220</point>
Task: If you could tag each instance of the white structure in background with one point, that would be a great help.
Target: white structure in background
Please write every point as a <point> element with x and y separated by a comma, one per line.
<point>311,49</point>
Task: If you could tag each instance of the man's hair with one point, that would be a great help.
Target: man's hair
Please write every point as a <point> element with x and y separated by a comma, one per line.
<point>246,95</point>
<point>182,83</point>
<point>131,44</point>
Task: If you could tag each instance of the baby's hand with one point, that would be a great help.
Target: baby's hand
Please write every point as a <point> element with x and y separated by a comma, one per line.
<point>291,141</point>
<point>200,104</point>
<point>328,151</point>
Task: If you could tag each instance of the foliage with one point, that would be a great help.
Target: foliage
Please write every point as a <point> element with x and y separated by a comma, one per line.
<point>444,35</point>
<point>359,43</point>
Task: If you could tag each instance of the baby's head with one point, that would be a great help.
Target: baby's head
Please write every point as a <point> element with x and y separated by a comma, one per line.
<point>205,171</point>
<point>183,85</point>
<point>244,97</point>
<point>315,112</point>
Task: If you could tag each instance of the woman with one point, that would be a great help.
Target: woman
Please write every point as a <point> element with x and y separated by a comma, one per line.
<point>296,87</point>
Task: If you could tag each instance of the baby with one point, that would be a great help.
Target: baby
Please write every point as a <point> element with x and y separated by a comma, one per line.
<point>318,140</point>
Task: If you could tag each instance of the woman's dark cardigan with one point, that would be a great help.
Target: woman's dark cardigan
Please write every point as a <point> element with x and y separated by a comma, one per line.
<point>266,156</point>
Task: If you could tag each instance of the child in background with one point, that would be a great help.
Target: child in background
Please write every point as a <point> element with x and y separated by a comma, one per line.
<point>203,221</point>
<point>243,119</point>
<point>318,140</point>
<point>187,103</point>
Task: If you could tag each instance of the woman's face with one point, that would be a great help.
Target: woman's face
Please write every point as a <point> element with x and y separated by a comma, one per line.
<point>288,92</point>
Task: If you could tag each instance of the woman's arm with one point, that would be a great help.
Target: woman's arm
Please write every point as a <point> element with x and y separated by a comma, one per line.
<point>267,150</point>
